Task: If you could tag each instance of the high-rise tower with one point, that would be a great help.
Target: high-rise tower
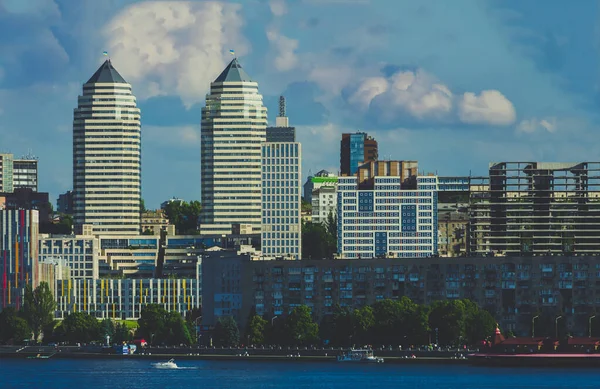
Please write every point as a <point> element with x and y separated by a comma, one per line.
<point>356,149</point>
<point>107,156</point>
<point>234,123</point>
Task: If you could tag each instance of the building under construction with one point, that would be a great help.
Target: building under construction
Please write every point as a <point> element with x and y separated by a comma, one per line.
<point>533,208</point>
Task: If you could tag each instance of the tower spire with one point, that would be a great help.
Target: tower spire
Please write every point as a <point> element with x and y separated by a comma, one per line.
<point>282,120</point>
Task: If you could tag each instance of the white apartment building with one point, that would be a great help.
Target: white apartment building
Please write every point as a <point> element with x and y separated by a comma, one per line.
<point>18,173</point>
<point>382,217</point>
<point>324,202</point>
<point>233,128</point>
<point>78,253</point>
<point>281,234</point>
<point>107,156</point>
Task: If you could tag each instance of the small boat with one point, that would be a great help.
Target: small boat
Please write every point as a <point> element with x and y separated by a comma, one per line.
<point>170,364</point>
<point>39,356</point>
<point>363,355</point>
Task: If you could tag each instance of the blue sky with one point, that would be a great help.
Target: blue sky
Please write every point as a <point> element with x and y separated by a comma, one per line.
<point>453,84</point>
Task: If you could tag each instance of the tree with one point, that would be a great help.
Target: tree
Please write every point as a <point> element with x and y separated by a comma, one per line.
<point>39,307</point>
<point>142,206</point>
<point>301,329</point>
<point>364,321</point>
<point>107,328</point>
<point>121,333</point>
<point>449,319</point>
<point>152,323</point>
<point>177,330</point>
<point>331,227</point>
<point>80,327</point>
<point>316,241</point>
<point>184,216</point>
<point>479,323</point>
<point>256,330</point>
<point>13,329</point>
<point>306,206</point>
<point>226,332</point>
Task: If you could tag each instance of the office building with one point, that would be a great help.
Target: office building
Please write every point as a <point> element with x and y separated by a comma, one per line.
<point>107,156</point>
<point>281,197</point>
<point>386,210</point>
<point>64,203</point>
<point>78,253</point>
<point>282,132</point>
<point>233,129</point>
<point>324,203</point>
<point>313,182</point>
<point>355,150</point>
<point>535,208</point>
<point>18,255</point>
<point>124,299</point>
<point>18,173</point>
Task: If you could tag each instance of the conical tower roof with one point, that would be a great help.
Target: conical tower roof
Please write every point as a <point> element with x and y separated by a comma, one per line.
<point>233,73</point>
<point>107,74</point>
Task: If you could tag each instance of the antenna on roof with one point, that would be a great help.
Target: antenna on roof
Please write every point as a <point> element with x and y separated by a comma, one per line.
<point>281,106</point>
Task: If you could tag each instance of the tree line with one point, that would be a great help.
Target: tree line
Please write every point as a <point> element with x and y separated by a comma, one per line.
<point>386,322</point>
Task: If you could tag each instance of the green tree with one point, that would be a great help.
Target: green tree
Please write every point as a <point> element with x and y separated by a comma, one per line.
<point>226,332</point>
<point>449,319</point>
<point>177,330</point>
<point>338,328</point>
<point>184,216</point>
<point>107,328</point>
<point>13,329</point>
<point>479,323</point>
<point>256,330</point>
<point>152,323</point>
<point>306,206</point>
<point>364,321</point>
<point>142,206</point>
<point>301,329</point>
<point>80,327</point>
<point>316,242</point>
<point>39,307</point>
<point>121,334</point>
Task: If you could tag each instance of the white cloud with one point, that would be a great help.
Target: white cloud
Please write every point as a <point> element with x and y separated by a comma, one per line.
<point>285,48</point>
<point>178,136</point>
<point>331,79</point>
<point>175,47</point>
<point>37,8</point>
<point>533,124</point>
<point>490,107</point>
<point>278,7</point>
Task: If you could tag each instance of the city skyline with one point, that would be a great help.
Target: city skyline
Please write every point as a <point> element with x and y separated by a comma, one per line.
<point>511,86</point>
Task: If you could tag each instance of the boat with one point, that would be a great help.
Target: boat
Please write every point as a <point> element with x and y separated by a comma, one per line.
<point>39,356</point>
<point>362,355</point>
<point>170,364</point>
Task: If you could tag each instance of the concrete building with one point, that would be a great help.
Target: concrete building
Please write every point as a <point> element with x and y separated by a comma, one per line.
<point>234,123</point>
<point>282,132</point>
<point>453,229</point>
<point>324,202</point>
<point>513,289</point>
<point>385,210</point>
<point>535,208</point>
<point>64,203</point>
<point>26,198</point>
<point>314,182</point>
<point>78,253</point>
<point>124,299</point>
<point>107,156</point>
<point>155,221</point>
<point>18,173</point>
<point>18,255</point>
<point>356,149</point>
<point>281,198</point>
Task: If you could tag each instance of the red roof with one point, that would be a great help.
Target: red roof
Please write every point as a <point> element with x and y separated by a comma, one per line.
<point>583,341</point>
<point>523,341</point>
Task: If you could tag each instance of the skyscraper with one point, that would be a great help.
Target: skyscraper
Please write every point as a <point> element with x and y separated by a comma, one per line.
<point>18,173</point>
<point>356,149</point>
<point>107,156</point>
<point>234,123</point>
<point>281,197</point>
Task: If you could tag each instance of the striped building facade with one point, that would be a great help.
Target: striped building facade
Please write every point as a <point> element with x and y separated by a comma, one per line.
<point>18,255</point>
<point>125,298</point>
<point>107,156</point>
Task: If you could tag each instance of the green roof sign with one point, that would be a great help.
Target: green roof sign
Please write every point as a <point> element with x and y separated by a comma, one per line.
<point>320,180</point>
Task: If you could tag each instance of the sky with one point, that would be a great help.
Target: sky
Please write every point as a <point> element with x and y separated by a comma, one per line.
<point>453,84</point>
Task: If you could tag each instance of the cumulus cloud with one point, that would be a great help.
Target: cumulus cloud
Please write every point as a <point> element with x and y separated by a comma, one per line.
<point>489,107</point>
<point>534,124</point>
<point>175,47</point>
<point>178,136</point>
<point>420,95</point>
<point>284,47</point>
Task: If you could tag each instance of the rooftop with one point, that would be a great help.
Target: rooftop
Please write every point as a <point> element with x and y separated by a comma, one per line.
<point>233,73</point>
<point>107,74</point>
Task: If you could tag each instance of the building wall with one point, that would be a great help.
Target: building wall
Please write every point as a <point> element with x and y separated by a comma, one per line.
<point>18,255</point>
<point>79,253</point>
<point>512,289</point>
<point>387,220</point>
<point>107,160</point>
<point>25,173</point>
<point>356,149</point>
<point>125,298</point>
<point>231,156</point>
<point>281,200</point>
<point>6,173</point>
<point>324,202</point>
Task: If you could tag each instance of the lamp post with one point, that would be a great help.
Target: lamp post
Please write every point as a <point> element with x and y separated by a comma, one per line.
<point>533,326</point>
<point>196,328</point>
<point>556,325</point>
<point>590,325</point>
<point>273,319</point>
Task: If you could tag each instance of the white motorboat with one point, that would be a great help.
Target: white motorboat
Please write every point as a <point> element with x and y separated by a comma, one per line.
<point>170,364</point>
<point>363,355</point>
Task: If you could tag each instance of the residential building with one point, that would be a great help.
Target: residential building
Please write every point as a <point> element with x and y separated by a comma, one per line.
<point>6,173</point>
<point>78,253</point>
<point>155,221</point>
<point>314,182</point>
<point>164,204</point>
<point>107,156</point>
<point>536,208</point>
<point>124,299</point>
<point>324,202</point>
<point>18,255</point>
<point>453,228</point>
<point>355,150</point>
<point>385,210</point>
<point>281,197</point>
<point>231,152</point>
<point>26,198</point>
<point>64,203</point>
<point>25,173</point>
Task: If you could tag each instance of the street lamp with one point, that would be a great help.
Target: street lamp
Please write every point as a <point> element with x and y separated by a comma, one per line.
<point>533,326</point>
<point>196,327</point>
<point>273,319</point>
<point>556,325</point>
<point>590,324</point>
